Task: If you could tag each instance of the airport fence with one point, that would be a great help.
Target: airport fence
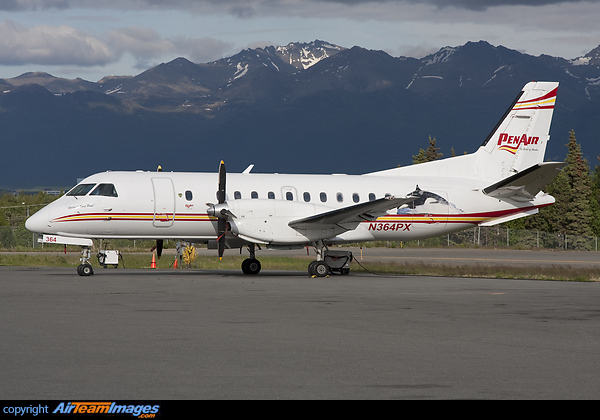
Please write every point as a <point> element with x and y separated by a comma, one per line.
<point>503,237</point>
<point>492,237</point>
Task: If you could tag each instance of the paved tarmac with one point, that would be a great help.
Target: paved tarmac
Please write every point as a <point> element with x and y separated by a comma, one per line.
<point>193,334</point>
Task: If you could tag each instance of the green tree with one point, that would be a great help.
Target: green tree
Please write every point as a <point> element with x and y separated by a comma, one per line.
<point>572,214</point>
<point>432,153</point>
<point>595,200</point>
<point>579,217</point>
<point>420,157</point>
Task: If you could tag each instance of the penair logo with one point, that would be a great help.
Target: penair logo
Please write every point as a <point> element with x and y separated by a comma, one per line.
<point>512,143</point>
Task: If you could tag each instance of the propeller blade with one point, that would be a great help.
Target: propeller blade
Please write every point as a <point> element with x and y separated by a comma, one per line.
<point>221,223</point>
<point>222,226</point>
<point>222,182</point>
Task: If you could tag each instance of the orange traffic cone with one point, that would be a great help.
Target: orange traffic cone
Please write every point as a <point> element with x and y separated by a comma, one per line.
<point>175,263</point>
<point>153,264</point>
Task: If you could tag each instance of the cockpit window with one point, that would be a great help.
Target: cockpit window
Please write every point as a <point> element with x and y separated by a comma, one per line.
<point>106,190</point>
<point>81,189</point>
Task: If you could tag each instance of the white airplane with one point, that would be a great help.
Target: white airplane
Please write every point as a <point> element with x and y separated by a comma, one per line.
<point>501,181</point>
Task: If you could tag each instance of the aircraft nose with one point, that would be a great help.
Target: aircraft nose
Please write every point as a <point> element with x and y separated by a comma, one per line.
<point>38,223</point>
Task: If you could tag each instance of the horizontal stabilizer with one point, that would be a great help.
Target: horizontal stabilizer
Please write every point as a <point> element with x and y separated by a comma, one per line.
<point>350,217</point>
<point>525,185</point>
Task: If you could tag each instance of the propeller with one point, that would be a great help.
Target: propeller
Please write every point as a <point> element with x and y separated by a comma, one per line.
<point>222,222</point>
<point>159,242</point>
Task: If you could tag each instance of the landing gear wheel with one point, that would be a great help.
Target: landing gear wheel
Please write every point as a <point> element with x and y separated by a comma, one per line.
<point>311,271</point>
<point>251,266</point>
<point>318,269</point>
<point>85,270</point>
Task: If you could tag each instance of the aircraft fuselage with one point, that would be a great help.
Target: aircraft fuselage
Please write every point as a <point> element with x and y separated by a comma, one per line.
<point>162,205</point>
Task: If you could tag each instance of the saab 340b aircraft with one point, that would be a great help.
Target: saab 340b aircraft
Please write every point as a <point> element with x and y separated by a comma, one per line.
<point>501,181</point>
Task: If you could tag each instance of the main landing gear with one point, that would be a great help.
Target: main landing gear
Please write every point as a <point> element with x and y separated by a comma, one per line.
<point>329,261</point>
<point>251,265</point>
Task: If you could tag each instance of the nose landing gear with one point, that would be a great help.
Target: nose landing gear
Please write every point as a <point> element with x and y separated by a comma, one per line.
<point>85,268</point>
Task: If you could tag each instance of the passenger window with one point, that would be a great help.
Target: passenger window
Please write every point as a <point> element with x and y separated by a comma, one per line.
<point>339,197</point>
<point>371,197</point>
<point>106,190</point>
<point>355,197</point>
<point>271,195</point>
<point>237,195</point>
<point>188,195</point>
<point>307,197</point>
<point>289,196</point>
<point>81,189</point>
<point>323,197</point>
<point>254,194</point>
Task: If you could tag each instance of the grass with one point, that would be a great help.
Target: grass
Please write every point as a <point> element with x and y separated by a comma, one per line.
<point>557,273</point>
<point>143,260</point>
<point>230,262</point>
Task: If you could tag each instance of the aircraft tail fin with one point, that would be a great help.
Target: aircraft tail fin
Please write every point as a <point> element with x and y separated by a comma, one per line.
<point>517,142</point>
<point>519,139</point>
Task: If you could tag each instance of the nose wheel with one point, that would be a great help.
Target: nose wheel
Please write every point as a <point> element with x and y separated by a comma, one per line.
<point>85,268</point>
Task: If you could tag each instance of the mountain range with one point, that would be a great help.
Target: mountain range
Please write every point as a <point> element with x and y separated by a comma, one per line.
<point>305,107</point>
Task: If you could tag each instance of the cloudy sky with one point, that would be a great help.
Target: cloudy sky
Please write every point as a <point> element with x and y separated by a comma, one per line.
<point>96,38</point>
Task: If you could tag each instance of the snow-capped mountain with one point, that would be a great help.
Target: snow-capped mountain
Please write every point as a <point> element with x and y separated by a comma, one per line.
<point>303,107</point>
<point>590,59</point>
<point>305,55</point>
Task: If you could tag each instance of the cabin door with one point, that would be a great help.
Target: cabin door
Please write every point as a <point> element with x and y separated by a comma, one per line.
<point>164,202</point>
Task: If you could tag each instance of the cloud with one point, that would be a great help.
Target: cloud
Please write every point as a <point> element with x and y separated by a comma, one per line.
<point>50,45</point>
<point>247,8</point>
<point>65,45</point>
<point>147,32</point>
<point>14,5</point>
<point>461,4</point>
<point>201,50</point>
<point>143,42</point>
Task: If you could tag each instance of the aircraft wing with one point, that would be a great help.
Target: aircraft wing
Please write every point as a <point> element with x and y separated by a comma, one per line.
<point>525,185</point>
<point>349,218</point>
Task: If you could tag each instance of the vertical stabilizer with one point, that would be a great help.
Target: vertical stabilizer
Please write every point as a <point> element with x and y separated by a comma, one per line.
<point>519,139</point>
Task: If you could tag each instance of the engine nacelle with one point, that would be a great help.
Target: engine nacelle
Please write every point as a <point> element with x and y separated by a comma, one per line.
<point>263,221</point>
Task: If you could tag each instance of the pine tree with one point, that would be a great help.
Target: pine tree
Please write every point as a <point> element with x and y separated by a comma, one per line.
<point>579,216</point>
<point>595,200</point>
<point>432,153</point>
<point>420,157</point>
<point>572,214</point>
